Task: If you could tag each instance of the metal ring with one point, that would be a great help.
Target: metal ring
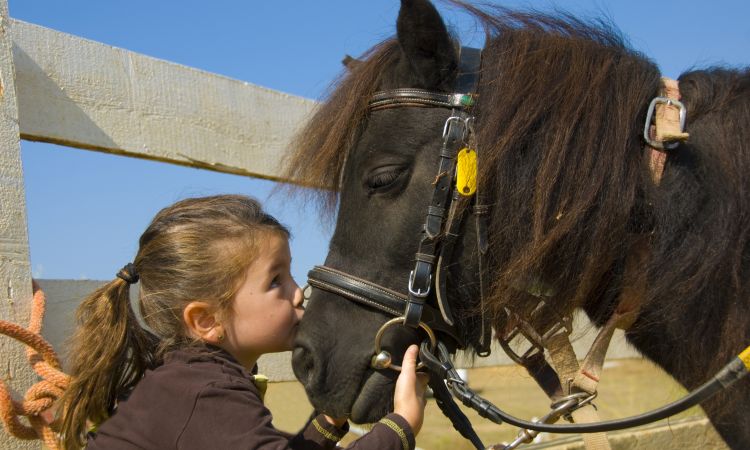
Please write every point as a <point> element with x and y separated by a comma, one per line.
<point>398,320</point>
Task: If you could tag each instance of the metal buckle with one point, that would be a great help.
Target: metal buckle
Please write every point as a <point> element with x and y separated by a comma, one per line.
<point>650,115</point>
<point>535,340</point>
<point>531,337</point>
<point>565,324</point>
<point>446,127</point>
<point>419,293</point>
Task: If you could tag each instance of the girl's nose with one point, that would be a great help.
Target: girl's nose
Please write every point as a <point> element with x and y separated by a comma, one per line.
<point>299,298</point>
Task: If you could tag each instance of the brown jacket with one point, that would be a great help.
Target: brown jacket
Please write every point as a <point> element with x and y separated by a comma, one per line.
<point>206,400</point>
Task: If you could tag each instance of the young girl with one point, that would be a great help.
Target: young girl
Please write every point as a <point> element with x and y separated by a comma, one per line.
<point>215,293</point>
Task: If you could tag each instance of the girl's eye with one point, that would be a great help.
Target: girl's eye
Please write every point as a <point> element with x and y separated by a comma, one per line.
<point>276,282</point>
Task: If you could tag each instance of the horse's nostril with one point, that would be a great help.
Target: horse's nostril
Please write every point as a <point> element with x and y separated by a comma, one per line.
<point>303,365</point>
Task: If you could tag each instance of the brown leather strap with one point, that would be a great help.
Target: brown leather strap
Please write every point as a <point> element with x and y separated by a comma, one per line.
<point>566,364</point>
<point>665,129</point>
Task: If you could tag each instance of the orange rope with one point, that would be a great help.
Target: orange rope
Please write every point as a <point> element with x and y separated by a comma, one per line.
<point>41,397</point>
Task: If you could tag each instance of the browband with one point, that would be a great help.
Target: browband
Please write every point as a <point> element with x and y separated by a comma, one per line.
<point>419,97</point>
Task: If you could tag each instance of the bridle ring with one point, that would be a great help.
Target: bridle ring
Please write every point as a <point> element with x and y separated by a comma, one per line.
<point>383,358</point>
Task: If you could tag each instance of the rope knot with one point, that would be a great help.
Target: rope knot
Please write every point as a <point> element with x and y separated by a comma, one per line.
<point>41,397</point>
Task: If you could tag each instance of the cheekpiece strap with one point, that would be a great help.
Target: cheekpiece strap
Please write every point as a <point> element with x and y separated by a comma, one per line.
<point>421,278</point>
<point>469,67</point>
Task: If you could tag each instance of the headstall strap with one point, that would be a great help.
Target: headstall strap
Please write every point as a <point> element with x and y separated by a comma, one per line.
<point>456,134</point>
<point>457,131</point>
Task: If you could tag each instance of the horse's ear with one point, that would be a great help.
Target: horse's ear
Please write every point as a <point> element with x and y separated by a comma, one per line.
<point>350,63</point>
<point>426,44</point>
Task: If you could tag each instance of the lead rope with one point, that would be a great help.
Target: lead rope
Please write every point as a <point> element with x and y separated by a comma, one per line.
<point>450,409</point>
<point>41,397</point>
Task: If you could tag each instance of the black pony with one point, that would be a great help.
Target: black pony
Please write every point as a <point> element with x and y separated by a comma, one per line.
<point>559,123</point>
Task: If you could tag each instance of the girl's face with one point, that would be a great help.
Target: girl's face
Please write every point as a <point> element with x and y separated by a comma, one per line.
<point>268,306</point>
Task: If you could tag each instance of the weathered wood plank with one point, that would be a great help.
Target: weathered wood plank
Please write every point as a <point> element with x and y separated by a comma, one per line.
<point>85,94</point>
<point>15,273</point>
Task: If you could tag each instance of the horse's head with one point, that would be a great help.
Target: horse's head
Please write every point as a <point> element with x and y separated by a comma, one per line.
<point>385,190</point>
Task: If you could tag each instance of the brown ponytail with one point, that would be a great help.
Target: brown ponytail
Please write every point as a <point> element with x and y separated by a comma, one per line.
<point>112,352</point>
<point>198,248</point>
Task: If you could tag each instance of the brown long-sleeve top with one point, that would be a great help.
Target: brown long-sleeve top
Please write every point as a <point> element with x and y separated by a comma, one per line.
<point>206,400</point>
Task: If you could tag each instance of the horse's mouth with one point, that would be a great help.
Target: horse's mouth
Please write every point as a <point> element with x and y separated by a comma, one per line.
<point>364,395</point>
<point>375,398</point>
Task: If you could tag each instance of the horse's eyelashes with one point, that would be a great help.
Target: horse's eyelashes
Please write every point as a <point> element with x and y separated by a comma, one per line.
<point>383,178</point>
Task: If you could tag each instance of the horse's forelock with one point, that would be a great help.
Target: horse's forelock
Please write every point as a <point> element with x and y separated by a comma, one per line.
<point>319,151</point>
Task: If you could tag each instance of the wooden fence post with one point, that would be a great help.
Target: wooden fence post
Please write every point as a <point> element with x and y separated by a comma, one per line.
<point>15,269</point>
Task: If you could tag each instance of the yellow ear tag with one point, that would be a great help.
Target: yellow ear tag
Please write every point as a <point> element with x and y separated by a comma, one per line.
<point>466,172</point>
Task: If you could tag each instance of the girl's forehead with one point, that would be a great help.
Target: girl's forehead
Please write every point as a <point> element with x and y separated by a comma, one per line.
<point>273,250</point>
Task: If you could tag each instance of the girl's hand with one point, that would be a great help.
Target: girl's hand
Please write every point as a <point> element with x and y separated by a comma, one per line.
<point>338,423</point>
<point>408,399</point>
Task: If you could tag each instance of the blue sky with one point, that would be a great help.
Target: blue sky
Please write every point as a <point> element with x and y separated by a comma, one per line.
<point>87,209</point>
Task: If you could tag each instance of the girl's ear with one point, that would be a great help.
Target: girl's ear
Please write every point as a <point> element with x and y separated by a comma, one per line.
<point>201,320</point>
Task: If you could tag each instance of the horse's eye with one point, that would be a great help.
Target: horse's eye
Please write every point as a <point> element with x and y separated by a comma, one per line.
<point>383,178</point>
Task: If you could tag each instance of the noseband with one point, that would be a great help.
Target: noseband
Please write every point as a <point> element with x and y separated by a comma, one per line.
<point>427,280</point>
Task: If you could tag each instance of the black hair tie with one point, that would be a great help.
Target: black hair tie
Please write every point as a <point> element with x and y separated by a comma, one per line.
<point>129,273</point>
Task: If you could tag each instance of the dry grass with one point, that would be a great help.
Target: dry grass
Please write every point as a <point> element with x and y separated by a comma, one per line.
<point>628,387</point>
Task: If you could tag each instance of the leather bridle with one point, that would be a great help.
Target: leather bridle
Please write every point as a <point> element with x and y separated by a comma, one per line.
<point>427,280</point>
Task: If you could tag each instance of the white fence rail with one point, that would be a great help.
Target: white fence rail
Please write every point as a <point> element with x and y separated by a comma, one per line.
<point>85,94</point>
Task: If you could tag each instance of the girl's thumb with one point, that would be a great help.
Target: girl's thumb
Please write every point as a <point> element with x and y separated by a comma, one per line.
<point>410,358</point>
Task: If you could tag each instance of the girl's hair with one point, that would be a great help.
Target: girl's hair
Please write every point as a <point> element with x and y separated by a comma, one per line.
<point>196,249</point>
